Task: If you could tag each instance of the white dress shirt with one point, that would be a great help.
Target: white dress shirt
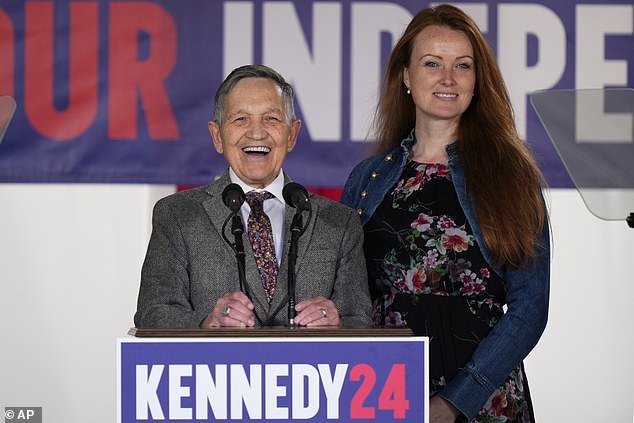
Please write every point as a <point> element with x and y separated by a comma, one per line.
<point>274,208</point>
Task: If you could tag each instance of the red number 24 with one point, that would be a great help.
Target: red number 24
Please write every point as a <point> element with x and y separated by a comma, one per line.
<point>392,396</point>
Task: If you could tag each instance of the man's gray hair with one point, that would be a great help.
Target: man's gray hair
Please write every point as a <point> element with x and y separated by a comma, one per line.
<point>253,71</point>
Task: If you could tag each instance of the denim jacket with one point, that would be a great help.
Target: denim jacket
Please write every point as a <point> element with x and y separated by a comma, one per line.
<point>527,288</point>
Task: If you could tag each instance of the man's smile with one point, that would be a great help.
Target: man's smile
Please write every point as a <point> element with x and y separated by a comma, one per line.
<point>259,150</point>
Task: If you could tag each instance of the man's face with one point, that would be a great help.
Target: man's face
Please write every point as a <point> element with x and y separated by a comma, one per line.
<point>255,134</point>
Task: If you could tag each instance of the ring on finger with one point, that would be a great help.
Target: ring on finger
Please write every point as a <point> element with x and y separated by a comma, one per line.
<point>226,310</point>
<point>323,311</point>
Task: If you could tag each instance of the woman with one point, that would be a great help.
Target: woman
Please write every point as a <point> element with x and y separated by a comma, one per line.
<point>455,223</point>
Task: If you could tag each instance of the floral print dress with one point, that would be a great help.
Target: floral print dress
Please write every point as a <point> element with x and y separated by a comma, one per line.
<point>427,272</point>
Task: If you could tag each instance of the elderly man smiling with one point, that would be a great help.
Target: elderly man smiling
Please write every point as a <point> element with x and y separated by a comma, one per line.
<point>190,274</point>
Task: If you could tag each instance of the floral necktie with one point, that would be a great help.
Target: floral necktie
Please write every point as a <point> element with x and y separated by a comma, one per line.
<point>261,238</point>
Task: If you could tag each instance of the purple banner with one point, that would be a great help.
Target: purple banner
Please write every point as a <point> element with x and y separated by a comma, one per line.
<point>121,91</point>
<point>263,379</point>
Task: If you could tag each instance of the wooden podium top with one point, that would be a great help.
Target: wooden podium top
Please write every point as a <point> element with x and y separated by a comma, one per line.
<point>280,331</point>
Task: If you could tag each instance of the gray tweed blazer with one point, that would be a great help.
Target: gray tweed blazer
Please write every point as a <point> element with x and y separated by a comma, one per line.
<point>188,264</point>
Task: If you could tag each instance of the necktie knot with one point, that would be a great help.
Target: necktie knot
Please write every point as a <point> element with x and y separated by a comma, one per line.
<point>256,199</point>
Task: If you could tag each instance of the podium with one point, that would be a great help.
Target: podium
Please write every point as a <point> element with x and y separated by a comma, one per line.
<point>272,374</point>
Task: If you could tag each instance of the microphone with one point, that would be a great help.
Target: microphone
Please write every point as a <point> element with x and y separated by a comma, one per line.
<point>296,196</point>
<point>233,197</point>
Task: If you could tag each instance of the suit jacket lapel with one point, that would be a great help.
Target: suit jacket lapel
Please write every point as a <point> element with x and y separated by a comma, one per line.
<point>281,290</point>
<point>214,206</point>
<point>305,239</point>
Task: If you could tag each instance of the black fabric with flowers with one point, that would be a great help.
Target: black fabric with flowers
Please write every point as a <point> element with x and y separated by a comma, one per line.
<point>427,272</point>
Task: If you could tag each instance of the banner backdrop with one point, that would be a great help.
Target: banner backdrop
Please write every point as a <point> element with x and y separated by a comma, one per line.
<point>121,91</point>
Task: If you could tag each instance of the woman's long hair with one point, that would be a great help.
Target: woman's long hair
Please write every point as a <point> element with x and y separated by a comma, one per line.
<point>503,179</point>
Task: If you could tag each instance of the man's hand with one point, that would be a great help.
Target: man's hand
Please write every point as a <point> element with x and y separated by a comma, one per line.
<point>232,309</point>
<point>318,311</point>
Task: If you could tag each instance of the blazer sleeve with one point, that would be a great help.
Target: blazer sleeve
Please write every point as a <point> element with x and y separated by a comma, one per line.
<point>351,292</point>
<point>163,300</point>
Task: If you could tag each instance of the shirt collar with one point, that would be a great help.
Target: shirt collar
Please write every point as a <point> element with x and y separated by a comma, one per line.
<point>274,187</point>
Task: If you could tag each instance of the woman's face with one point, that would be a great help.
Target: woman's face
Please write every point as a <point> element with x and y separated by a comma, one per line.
<point>441,73</point>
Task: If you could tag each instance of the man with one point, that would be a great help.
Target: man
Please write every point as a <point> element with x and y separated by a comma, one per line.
<point>190,274</point>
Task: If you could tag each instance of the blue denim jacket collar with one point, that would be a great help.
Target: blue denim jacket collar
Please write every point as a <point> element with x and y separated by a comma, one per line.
<point>372,178</point>
<point>410,140</point>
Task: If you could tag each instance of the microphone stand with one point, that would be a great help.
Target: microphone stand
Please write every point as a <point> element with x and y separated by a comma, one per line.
<point>297,229</point>
<point>237,229</point>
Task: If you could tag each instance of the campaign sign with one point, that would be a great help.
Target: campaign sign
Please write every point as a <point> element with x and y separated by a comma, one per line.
<point>303,379</point>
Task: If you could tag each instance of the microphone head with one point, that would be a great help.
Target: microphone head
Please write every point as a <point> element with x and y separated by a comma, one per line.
<point>233,197</point>
<point>296,196</point>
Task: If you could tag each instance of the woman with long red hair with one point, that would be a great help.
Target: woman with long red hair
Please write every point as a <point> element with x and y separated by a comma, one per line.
<point>456,229</point>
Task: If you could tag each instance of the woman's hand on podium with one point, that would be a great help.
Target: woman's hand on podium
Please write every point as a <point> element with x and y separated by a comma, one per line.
<point>317,311</point>
<point>232,309</point>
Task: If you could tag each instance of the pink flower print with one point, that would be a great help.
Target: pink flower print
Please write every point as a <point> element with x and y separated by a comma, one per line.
<point>445,222</point>
<point>442,170</point>
<point>510,389</point>
<point>456,239</point>
<point>498,403</point>
<point>394,318</point>
<point>377,314</point>
<point>401,285</point>
<point>422,223</point>
<point>433,260</point>
<point>416,280</point>
<point>490,303</point>
<point>471,285</point>
<point>388,300</point>
<point>467,277</point>
<point>414,183</point>
<point>486,273</point>
<point>456,269</point>
<point>395,277</point>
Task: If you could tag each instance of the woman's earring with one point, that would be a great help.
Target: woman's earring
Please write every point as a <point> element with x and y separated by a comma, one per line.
<point>409,91</point>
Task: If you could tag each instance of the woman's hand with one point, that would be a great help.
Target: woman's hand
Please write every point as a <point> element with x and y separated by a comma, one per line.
<point>442,411</point>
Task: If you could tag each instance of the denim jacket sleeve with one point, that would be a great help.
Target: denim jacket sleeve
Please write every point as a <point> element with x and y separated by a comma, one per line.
<point>510,341</point>
<point>527,289</point>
